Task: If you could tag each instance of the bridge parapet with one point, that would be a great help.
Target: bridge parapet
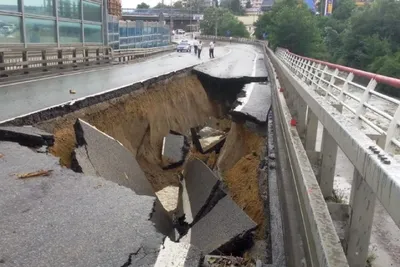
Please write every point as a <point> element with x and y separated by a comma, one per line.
<point>308,92</point>
<point>378,115</point>
<point>345,102</point>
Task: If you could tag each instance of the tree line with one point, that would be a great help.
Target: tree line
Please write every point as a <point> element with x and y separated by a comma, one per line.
<point>366,38</point>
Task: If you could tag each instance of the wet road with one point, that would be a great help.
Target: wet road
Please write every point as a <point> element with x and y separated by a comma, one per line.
<point>31,96</point>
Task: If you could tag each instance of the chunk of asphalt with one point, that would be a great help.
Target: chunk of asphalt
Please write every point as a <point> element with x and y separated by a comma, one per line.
<point>225,230</point>
<point>178,254</point>
<point>26,136</point>
<point>108,158</point>
<point>174,150</point>
<point>101,155</point>
<point>69,219</point>
<point>212,143</point>
<point>255,105</point>
<point>199,191</point>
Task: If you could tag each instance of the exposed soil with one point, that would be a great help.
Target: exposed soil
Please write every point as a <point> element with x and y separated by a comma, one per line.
<point>140,120</point>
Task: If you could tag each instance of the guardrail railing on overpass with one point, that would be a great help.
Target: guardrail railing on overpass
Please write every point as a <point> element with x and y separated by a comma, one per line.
<point>318,91</point>
<point>308,92</point>
<point>20,63</point>
<point>377,114</point>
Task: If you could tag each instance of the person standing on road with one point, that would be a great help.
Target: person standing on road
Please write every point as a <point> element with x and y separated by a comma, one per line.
<point>211,52</point>
<point>230,39</point>
<point>199,47</point>
<point>195,44</point>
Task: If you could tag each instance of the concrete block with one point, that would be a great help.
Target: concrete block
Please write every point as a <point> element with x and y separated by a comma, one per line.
<point>26,136</point>
<point>174,150</point>
<point>226,229</point>
<point>212,143</point>
<point>199,191</point>
<point>68,219</point>
<point>101,155</point>
<point>178,254</point>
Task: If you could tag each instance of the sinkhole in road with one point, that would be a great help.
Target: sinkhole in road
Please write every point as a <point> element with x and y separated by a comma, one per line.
<point>197,109</point>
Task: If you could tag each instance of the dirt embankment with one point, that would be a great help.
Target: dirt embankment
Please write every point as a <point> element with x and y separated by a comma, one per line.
<point>239,163</point>
<point>140,120</point>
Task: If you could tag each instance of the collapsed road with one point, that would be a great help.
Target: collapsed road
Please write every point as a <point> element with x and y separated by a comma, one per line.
<point>137,191</point>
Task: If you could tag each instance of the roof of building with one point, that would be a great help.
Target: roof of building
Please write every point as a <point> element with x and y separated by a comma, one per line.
<point>268,2</point>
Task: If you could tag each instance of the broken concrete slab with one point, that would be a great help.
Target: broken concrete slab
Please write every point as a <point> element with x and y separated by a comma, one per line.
<point>225,230</point>
<point>68,219</point>
<point>208,132</point>
<point>174,150</point>
<point>256,104</point>
<point>212,143</point>
<point>178,254</point>
<point>26,136</point>
<point>101,155</point>
<point>199,191</point>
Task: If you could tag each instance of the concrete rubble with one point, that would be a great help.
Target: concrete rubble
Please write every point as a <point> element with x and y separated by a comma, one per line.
<point>26,136</point>
<point>98,154</point>
<point>174,150</point>
<point>255,104</point>
<point>70,219</point>
<point>208,139</point>
<point>215,221</point>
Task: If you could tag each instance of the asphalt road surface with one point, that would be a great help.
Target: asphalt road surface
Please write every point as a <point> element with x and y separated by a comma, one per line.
<point>21,98</point>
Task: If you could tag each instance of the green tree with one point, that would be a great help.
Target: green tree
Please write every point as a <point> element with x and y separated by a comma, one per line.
<point>161,5</point>
<point>143,5</point>
<point>248,4</point>
<point>293,26</point>
<point>223,20</point>
<point>178,4</point>
<point>234,6</point>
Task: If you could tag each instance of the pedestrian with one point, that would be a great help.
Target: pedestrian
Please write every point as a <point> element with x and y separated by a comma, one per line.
<point>195,44</point>
<point>211,52</point>
<point>199,47</point>
<point>230,39</point>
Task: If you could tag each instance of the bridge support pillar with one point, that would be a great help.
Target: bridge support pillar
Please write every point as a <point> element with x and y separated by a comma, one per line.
<point>328,164</point>
<point>301,112</point>
<point>362,205</point>
<point>311,131</point>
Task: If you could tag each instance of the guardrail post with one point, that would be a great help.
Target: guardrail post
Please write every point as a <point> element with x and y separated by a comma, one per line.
<point>74,56</point>
<point>44,64</point>
<point>311,132</point>
<point>2,61</point>
<point>107,54</point>
<point>25,59</point>
<point>392,130</point>
<point>98,55</point>
<point>328,164</point>
<point>364,99</point>
<point>331,82</point>
<point>60,57</point>
<point>86,51</point>
<point>362,205</point>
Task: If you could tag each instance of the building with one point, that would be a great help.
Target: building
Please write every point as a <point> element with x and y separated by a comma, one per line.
<point>27,23</point>
<point>256,4</point>
<point>126,34</point>
<point>267,5</point>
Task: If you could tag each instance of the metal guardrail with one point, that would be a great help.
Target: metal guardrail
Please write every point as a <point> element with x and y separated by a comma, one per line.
<point>20,63</point>
<point>377,114</point>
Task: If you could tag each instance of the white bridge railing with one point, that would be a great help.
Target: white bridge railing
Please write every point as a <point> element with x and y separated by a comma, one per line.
<point>378,115</point>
